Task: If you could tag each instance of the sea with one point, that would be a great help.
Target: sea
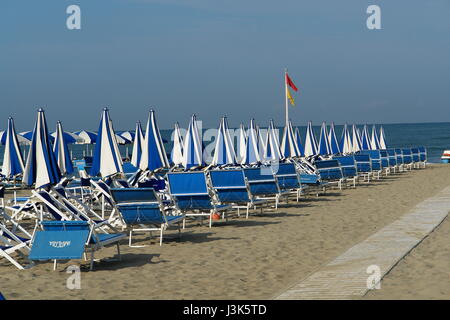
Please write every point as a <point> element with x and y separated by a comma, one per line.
<point>434,136</point>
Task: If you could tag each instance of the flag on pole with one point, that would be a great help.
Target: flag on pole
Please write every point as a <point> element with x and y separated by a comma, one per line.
<point>290,83</point>
<point>291,100</point>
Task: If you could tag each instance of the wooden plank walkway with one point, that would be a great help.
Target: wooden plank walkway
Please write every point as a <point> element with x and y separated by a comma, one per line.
<point>346,276</point>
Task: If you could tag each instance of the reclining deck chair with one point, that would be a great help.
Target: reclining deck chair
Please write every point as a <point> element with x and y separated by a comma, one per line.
<point>11,243</point>
<point>230,188</point>
<point>67,240</point>
<point>142,207</point>
<point>363,166</point>
<point>415,157</point>
<point>407,158</point>
<point>349,170</point>
<point>392,159</point>
<point>311,182</point>
<point>288,178</point>
<point>375,162</point>
<point>384,158</point>
<point>263,184</point>
<point>191,196</point>
<point>423,156</point>
<point>330,171</point>
<point>399,157</point>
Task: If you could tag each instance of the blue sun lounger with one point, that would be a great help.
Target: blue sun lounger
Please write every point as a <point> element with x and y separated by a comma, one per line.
<point>10,243</point>
<point>423,156</point>
<point>407,158</point>
<point>415,157</point>
<point>363,166</point>
<point>375,162</point>
<point>399,156</point>
<point>349,170</point>
<point>331,171</point>
<point>141,211</point>
<point>392,159</point>
<point>384,158</point>
<point>67,240</point>
<point>230,188</point>
<point>312,183</point>
<point>191,197</point>
<point>263,184</point>
<point>288,178</point>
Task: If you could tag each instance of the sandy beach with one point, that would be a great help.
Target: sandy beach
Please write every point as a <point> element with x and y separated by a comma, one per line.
<point>260,257</point>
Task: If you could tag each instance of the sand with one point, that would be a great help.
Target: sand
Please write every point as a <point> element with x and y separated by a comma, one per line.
<point>424,273</point>
<point>256,258</point>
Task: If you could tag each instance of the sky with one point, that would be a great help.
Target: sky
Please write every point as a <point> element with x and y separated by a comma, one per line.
<point>223,57</point>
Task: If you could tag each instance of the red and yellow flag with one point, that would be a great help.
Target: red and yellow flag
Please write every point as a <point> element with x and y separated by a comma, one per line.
<point>291,84</point>
<point>288,94</point>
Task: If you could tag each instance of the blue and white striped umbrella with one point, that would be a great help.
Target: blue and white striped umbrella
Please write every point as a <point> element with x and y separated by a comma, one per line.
<point>289,146</point>
<point>128,135</point>
<point>69,137</point>
<point>346,141</point>
<point>41,168</point>
<point>356,140</point>
<point>21,139</point>
<point>176,156</point>
<point>251,154</point>
<point>383,144</point>
<point>87,137</point>
<point>272,147</point>
<point>193,147</point>
<point>242,142</point>
<point>62,151</point>
<point>137,145</point>
<point>107,160</point>
<point>365,140</point>
<point>153,153</point>
<point>310,141</point>
<point>261,146</point>
<point>298,141</point>
<point>332,139</point>
<point>224,149</point>
<point>324,145</point>
<point>12,157</point>
<point>374,142</point>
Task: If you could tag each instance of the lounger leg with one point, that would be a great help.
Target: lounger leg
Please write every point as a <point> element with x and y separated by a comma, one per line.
<point>248,207</point>
<point>210,219</point>
<point>92,260</point>
<point>118,251</point>
<point>161,237</point>
<point>129,238</point>
<point>14,262</point>
<point>238,212</point>
<point>184,223</point>
<point>54,265</point>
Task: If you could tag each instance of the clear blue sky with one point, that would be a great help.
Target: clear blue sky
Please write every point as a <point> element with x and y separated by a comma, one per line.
<point>224,57</point>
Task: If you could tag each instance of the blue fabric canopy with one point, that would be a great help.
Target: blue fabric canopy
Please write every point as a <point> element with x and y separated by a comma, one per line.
<point>153,153</point>
<point>12,157</point>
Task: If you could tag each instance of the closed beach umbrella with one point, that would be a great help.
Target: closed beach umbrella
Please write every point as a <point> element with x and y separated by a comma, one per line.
<point>365,140</point>
<point>356,144</point>
<point>224,150</point>
<point>12,157</point>
<point>251,154</point>
<point>334,145</point>
<point>107,160</point>
<point>346,141</point>
<point>324,145</point>
<point>310,141</point>
<point>176,156</point>
<point>62,151</point>
<point>374,142</point>
<point>298,140</point>
<point>87,137</point>
<point>137,145</point>
<point>242,142</point>
<point>153,153</point>
<point>272,147</point>
<point>289,146</point>
<point>261,146</point>
<point>193,148</point>
<point>382,139</point>
<point>41,168</point>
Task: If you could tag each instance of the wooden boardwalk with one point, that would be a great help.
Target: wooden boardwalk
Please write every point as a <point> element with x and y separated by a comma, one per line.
<point>346,277</point>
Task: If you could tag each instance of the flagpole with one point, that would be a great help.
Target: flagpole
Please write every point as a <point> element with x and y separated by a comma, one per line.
<point>285,94</point>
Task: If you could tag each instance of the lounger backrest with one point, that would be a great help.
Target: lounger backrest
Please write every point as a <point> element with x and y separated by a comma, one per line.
<point>415,154</point>
<point>287,176</point>
<point>51,205</point>
<point>384,158</point>
<point>407,155</point>
<point>329,169</point>
<point>423,153</point>
<point>392,157</point>
<point>189,190</point>
<point>141,213</point>
<point>363,163</point>
<point>133,195</point>
<point>306,178</point>
<point>348,165</point>
<point>261,181</point>
<point>229,185</point>
<point>399,155</point>
<point>375,159</point>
